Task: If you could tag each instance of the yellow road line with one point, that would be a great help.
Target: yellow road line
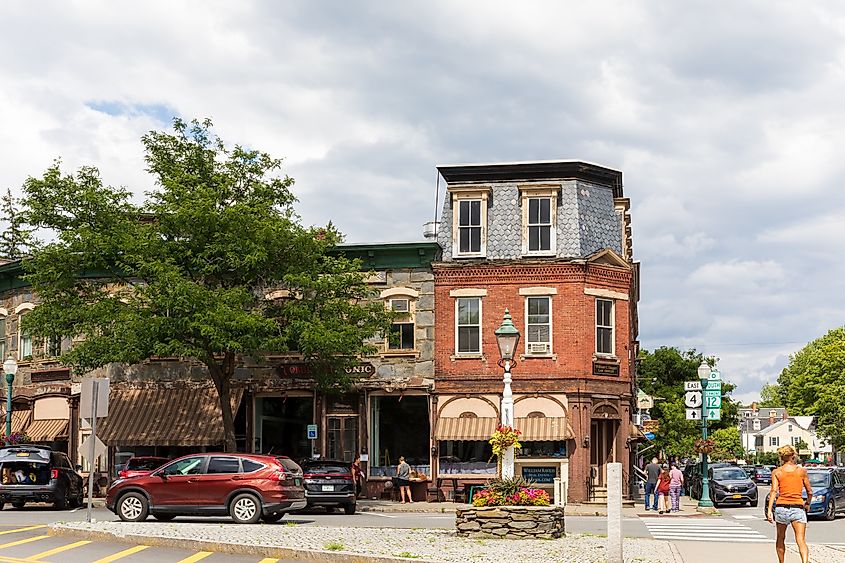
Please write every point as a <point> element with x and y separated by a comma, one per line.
<point>23,541</point>
<point>268,560</point>
<point>7,559</point>
<point>196,556</point>
<point>122,554</point>
<point>28,528</point>
<point>56,550</point>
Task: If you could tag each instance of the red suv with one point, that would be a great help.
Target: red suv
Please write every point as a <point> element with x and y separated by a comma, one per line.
<point>141,465</point>
<point>246,487</point>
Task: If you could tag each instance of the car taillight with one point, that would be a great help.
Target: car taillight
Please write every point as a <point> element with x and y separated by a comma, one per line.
<point>281,475</point>
<point>123,474</point>
<point>54,474</point>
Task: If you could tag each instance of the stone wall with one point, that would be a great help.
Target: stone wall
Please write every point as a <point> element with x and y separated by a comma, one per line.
<point>510,522</point>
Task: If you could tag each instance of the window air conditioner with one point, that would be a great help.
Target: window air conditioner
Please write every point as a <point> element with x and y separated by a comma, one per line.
<point>538,348</point>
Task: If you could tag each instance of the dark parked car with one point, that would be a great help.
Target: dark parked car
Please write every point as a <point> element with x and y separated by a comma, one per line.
<point>38,474</point>
<point>141,465</point>
<point>727,483</point>
<point>692,477</point>
<point>828,493</point>
<point>246,487</point>
<point>761,475</point>
<point>330,484</point>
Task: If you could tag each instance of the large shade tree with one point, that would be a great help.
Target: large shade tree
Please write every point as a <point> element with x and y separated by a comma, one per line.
<point>188,272</point>
<point>813,384</point>
<point>662,373</point>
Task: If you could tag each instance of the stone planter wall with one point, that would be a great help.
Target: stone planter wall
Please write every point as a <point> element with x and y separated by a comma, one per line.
<point>510,522</point>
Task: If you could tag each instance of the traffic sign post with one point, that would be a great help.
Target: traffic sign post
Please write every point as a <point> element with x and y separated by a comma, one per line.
<point>711,383</point>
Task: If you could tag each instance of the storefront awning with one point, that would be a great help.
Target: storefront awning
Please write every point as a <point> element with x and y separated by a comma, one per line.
<point>47,430</point>
<point>635,434</point>
<point>20,420</point>
<point>454,428</point>
<point>550,428</point>
<point>165,417</point>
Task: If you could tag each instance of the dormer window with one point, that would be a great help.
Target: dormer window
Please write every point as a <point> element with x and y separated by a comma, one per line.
<point>469,221</point>
<point>539,218</point>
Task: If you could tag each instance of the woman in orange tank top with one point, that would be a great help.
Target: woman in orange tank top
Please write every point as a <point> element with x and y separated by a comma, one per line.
<point>786,503</point>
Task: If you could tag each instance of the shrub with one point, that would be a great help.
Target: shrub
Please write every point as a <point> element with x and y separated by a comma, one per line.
<point>511,492</point>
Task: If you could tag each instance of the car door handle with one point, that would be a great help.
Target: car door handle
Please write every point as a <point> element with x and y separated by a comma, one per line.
<point>193,480</point>
<point>237,478</point>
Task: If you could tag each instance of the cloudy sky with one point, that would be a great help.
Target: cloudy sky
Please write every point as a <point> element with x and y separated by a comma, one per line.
<point>726,121</point>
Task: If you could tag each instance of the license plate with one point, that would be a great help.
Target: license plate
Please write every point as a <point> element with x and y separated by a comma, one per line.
<point>297,482</point>
<point>737,496</point>
<point>23,454</point>
<point>328,488</point>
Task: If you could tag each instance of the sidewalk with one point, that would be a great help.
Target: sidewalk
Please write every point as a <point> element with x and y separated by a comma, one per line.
<point>449,508</point>
<point>693,552</point>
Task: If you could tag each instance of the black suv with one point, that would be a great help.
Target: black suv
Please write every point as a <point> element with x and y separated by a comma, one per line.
<point>330,484</point>
<point>38,474</point>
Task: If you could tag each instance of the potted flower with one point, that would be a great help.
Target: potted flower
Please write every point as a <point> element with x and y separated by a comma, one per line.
<point>15,438</point>
<point>704,446</point>
<point>503,438</point>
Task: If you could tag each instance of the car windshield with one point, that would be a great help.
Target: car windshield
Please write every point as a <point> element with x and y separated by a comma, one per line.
<point>819,479</point>
<point>327,468</point>
<point>142,464</point>
<point>729,474</point>
<point>763,472</point>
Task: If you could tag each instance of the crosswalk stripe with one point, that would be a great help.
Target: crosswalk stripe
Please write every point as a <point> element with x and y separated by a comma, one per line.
<point>703,530</point>
<point>196,557</point>
<point>56,550</point>
<point>23,541</point>
<point>28,528</point>
<point>122,554</point>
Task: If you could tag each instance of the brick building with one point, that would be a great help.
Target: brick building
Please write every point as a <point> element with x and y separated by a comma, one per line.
<point>550,242</point>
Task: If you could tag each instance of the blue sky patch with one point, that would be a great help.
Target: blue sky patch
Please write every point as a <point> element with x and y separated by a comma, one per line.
<point>159,112</point>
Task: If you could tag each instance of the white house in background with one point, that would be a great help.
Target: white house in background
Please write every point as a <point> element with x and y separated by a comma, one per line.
<point>755,419</point>
<point>793,430</point>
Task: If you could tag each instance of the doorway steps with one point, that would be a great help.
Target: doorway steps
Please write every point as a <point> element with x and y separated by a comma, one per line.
<point>599,498</point>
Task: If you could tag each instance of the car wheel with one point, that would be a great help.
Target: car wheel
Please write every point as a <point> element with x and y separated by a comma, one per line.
<point>349,508</point>
<point>133,507</point>
<point>272,518</point>
<point>830,513</point>
<point>164,517</point>
<point>245,509</point>
<point>18,504</point>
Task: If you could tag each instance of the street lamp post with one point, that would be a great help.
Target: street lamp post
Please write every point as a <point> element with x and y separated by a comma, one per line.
<point>704,502</point>
<point>507,337</point>
<point>10,368</point>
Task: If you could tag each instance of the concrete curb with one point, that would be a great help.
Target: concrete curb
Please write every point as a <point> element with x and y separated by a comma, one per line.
<point>221,547</point>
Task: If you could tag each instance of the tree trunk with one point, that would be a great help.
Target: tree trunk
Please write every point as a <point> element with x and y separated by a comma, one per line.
<point>222,375</point>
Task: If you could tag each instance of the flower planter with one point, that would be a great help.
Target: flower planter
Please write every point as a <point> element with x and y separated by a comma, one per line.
<point>510,522</point>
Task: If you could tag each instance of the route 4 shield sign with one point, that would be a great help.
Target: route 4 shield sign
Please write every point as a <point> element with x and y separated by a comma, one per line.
<point>693,414</point>
<point>692,399</point>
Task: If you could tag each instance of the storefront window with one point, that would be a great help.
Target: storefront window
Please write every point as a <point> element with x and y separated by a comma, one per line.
<point>400,427</point>
<point>281,424</point>
<point>466,457</point>
<point>542,449</point>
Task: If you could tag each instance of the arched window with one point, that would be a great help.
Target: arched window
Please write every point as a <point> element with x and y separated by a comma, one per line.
<point>468,414</point>
<point>536,414</point>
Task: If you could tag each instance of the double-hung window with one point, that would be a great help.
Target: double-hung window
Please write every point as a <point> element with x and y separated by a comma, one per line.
<point>469,220</point>
<point>539,325</point>
<point>604,327</point>
<point>468,325</point>
<point>469,226</point>
<point>3,338</point>
<point>774,441</point>
<point>24,342</point>
<point>401,300</point>
<point>539,224</point>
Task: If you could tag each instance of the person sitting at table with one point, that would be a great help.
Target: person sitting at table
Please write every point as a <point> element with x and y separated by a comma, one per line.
<point>403,480</point>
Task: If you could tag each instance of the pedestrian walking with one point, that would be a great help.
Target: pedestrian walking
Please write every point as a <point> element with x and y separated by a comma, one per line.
<point>403,480</point>
<point>676,483</point>
<point>663,488</point>
<point>358,475</point>
<point>786,504</point>
<point>652,471</point>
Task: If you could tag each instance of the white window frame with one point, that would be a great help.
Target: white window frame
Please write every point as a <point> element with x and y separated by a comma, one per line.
<point>528,193</point>
<point>756,424</point>
<point>4,346</point>
<point>528,351</point>
<point>480,325</point>
<point>612,328</point>
<point>468,193</point>
<point>774,441</point>
<point>23,337</point>
<point>795,440</point>
<point>409,296</point>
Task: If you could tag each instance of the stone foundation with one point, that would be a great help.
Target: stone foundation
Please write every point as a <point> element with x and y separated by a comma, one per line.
<point>510,522</point>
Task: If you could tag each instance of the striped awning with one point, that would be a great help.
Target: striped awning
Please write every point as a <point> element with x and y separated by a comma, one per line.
<point>455,428</point>
<point>544,429</point>
<point>165,417</point>
<point>20,420</point>
<point>47,430</point>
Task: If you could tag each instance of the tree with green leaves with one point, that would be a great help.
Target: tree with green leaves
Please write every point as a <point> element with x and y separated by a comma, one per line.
<point>770,396</point>
<point>194,271</point>
<point>15,238</point>
<point>813,384</point>
<point>662,374</point>
<point>728,444</point>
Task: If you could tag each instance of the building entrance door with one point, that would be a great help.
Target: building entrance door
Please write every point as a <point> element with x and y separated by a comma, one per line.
<point>342,437</point>
<point>602,452</point>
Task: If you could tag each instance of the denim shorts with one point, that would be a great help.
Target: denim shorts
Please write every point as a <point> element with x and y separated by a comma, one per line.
<point>784,515</point>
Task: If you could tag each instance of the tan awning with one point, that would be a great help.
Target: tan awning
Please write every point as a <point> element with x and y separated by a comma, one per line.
<point>453,428</point>
<point>635,434</point>
<point>548,428</point>
<point>20,420</point>
<point>165,417</point>
<point>47,430</point>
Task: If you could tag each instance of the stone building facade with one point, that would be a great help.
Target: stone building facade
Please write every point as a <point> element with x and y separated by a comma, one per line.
<point>551,243</point>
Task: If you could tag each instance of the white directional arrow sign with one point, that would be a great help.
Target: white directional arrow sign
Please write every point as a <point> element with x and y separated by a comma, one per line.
<point>693,414</point>
<point>692,399</point>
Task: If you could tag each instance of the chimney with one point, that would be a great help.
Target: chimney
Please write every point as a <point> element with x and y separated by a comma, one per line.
<point>754,407</point>
<point>785,416</point>
<point>771,419</point>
